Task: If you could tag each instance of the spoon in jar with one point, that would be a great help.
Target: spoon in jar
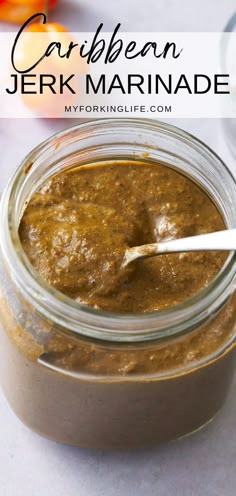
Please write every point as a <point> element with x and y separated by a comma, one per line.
<point>221,240</point>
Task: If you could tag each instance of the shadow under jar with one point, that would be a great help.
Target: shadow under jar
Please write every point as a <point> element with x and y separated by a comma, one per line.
<point>67,369</point>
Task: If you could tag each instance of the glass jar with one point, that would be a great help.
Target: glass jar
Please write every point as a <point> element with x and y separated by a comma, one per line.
<point>78,375</point>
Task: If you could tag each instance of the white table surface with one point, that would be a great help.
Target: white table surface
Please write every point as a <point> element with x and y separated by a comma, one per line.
<point>201,465</point>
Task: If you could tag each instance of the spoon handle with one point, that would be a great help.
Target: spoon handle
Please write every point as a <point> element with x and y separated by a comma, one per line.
<point>220,240</point>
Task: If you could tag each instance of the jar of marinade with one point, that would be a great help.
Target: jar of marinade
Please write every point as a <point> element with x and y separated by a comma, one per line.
<point>92,357</point>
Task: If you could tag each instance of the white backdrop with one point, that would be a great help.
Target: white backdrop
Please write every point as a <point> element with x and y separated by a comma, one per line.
<point>201,465</point>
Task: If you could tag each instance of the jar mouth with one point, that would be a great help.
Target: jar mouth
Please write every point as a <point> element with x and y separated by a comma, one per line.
<point>86,321</point>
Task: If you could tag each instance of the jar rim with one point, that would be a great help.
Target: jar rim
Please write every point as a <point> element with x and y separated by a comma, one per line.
<point>86,321</point>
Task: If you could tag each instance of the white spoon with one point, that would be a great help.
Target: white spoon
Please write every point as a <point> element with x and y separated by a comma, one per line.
<point>221,240</point>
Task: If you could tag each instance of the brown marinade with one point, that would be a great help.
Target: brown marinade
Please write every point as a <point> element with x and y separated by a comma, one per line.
<point>77,226</point>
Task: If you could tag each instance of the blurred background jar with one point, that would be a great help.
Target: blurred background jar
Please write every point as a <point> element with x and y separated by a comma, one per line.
<point>228,66</point>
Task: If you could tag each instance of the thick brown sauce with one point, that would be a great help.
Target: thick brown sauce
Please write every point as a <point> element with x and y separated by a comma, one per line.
<point>75,231</point>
